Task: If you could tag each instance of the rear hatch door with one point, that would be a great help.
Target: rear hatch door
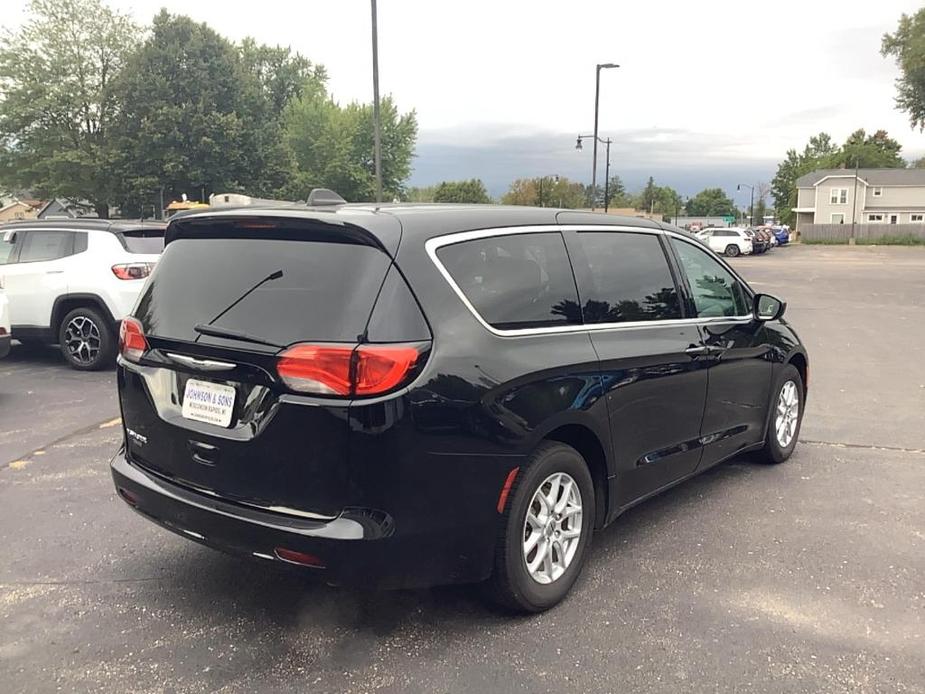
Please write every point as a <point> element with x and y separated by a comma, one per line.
<point>279,282</point>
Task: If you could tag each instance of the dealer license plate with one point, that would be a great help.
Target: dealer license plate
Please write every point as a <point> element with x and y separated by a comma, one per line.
<point>212,403</point>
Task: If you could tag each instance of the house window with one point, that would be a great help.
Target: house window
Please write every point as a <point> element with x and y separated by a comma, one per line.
<point>916,218</point>
<point>838,196</point>
<point>878,192</point>
<point>838,218</point>
<point>874,218</point>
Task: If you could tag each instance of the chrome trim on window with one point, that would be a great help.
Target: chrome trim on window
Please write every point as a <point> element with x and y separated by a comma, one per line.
<point>434,244</point>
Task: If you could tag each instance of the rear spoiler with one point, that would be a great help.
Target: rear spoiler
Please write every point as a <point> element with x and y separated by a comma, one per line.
<point>281,224</point>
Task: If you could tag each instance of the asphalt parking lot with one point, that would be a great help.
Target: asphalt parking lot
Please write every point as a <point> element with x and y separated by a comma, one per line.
<point>806,577</point>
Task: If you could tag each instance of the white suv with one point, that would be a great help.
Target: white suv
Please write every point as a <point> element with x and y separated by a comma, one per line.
<point>731,241</point>
<point>4,324</point>
<point>70,282</point>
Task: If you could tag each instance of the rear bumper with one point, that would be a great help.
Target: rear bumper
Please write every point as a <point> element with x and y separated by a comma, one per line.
<point>359,547</point>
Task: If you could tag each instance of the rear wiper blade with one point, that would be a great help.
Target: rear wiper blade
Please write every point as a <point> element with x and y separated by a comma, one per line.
<point>229,334</point>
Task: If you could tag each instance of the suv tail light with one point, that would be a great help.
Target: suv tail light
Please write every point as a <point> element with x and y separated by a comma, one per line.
<point>132,342</point>
<point>348,369</point>
<point>132,271</point>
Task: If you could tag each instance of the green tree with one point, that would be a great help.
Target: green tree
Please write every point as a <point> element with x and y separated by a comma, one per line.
<point>668,201</point>
<point>523,191</point>
<point>472,191</point>
<point>56,101</point>
<point>547,191</point>
<point>710,202</point>
<point>907,47</point>
<point>649,195</point>
<point>616,192</point>
<point>867,151</point>
<point>191,118</point>
<point>333,146</point>
<point>918,163</point>
<point>783,186</point>
<point>419,194</point>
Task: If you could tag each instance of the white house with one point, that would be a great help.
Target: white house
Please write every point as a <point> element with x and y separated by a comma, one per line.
<point>865,196</point>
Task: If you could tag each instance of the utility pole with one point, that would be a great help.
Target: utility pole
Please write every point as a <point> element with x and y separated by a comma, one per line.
<point>854,204</point>
<point>377,144</point>
<point>597,99</point>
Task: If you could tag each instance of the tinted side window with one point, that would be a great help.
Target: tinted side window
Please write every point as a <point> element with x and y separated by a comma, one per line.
<point>6,248</point>
<point>716,291</point>
<point>46,245</point>
<point>629,279</point>
<point>143,240</point>
<point>516,281</point>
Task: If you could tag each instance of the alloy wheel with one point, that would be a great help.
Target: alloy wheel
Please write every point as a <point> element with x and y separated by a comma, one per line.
<point>552,528</point>
<point>788,413</point>
<point>82,340</point>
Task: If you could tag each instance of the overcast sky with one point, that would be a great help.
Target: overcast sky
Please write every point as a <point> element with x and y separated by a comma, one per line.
<point>708,93</point>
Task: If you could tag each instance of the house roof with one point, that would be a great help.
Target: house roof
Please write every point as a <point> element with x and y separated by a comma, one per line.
<point>874,177</point>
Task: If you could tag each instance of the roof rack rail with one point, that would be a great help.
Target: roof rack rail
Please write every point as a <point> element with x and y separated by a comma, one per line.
<point>324,196</point>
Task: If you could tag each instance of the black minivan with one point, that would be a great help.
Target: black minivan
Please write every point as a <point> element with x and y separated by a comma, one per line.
<point>406,395</point>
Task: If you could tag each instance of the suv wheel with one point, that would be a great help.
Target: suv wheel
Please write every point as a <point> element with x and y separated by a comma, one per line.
<point>785,417</point>
<point>87,342</point>
<point>545,530</point>
<point>732,250</point>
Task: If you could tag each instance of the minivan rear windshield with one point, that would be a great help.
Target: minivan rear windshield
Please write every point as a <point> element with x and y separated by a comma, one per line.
<point>305,290</point>
<point>143,241</point>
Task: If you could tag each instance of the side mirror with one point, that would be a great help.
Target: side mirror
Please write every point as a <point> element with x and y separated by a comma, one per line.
<point>768,307</point>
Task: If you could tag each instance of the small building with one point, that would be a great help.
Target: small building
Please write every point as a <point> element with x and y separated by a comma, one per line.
<point>863,196</point>
<point>62,208</point>
<point>702,221</point>
<point>19,209</point>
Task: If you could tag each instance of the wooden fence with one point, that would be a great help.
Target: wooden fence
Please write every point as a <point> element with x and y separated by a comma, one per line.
<point>863,233</point>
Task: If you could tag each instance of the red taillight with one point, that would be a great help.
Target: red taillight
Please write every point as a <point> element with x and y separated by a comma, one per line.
<point>132,271</point>
<point>317,369</point>
<point>132,342</point>
<point>382,367</point>
<point>301,558</point>
<point>346,369</point>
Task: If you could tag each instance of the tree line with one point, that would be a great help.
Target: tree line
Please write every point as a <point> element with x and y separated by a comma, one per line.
<point>94,107</point>
<point>559,191</point>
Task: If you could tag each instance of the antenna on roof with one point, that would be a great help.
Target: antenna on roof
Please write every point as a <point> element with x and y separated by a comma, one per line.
<point>323,196</point>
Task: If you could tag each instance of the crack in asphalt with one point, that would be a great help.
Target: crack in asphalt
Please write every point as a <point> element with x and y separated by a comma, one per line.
<point>864,446</point>
<point>88,581</point>
<point>61,439</point>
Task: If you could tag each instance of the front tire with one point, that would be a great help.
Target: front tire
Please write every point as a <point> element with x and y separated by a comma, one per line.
<point>87,342</point>
<point>732,250</point>
<point>785,417</point>
<point>545,530</point>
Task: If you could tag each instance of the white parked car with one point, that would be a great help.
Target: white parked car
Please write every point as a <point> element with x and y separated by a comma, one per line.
<point>731,241</point>
<point>4,324</point>
<point>71,282</point>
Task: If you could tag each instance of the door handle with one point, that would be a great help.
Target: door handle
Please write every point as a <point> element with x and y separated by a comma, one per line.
<point>704,351</point>
<point>54,272</point>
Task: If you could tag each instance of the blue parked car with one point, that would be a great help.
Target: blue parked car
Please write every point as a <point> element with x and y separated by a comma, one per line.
<point>782,234</point>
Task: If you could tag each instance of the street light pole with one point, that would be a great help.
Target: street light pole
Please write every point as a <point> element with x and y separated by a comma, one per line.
<point>607,142</point>
<point>377,143</point>
<point>751,202</point>
<point>597,98</point>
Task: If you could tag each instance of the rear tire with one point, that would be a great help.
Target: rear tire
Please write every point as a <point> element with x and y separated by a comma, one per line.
<point>86,339</point>
<point>732,250</point>
<point>556,471</point>
<point>784,418</point>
